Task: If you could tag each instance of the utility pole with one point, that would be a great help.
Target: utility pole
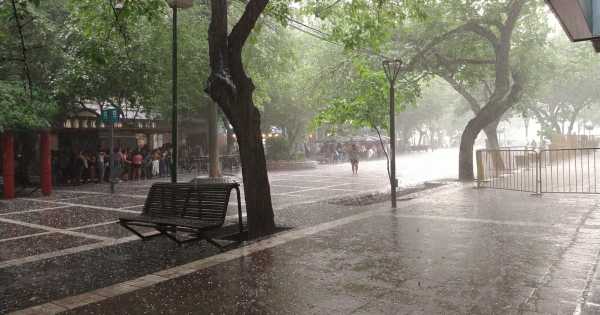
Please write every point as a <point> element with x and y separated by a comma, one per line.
<point>111,153</point>
<point>392,69</point>
<point>175,4</point>
<point>174,108</point>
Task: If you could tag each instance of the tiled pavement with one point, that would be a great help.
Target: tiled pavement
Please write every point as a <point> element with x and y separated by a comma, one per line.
<point>84,217</point>
<point>57,239</point>
<point>87,214</point>
<point>454,250</point>
<point>42,237</point>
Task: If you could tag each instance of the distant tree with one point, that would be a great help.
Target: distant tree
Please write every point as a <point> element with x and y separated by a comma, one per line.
<point>466,43</point>
<point>568,91</point>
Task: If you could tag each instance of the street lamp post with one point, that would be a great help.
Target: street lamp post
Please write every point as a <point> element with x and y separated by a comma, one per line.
<point>392,69</point>
<point>175,4</point>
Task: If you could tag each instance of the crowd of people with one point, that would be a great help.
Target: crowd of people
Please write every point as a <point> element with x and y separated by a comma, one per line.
<point>85,166</point>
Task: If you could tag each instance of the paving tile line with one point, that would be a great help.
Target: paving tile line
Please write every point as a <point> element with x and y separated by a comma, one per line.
<point>105,293</point>
<point>78,249</point>
<point>70,204</point>
<point>56,230</point>
<point>48,232</point>
<point>588,285</point>
<point>485,221</point>
<point>24,236</point>
<point>33,210</point>
<point>547,276</point>
<point>67,251</point>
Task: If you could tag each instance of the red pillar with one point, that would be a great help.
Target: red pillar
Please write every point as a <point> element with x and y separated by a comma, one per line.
<point>46,163</point>
<point>8,165</point>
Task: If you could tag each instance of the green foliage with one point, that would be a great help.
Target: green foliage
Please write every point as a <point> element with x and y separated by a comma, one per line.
<point>367,103</point>
<point>362,23</point>
<point>18,111</point>
<point>565,91</point>
<point>278,149</point>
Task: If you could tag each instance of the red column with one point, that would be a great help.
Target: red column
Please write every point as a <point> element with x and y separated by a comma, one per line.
<point>46,163</point>
<point>8,165</point>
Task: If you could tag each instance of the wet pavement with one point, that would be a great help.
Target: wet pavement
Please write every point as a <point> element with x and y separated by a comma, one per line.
<point>450,250</point>
<point>87,214</point>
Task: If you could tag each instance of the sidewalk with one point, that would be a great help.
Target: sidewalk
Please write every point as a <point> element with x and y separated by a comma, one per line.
<point>457,250</point>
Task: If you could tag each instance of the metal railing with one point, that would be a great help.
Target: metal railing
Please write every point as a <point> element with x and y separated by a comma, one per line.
<point>510,169</point>
<point>544,171</point>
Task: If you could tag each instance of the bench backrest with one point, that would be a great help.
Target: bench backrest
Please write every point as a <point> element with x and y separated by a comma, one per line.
<point>207,203</point>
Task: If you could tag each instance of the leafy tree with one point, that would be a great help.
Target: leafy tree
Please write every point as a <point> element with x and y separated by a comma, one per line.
<point>568,89</point>
<point>466,43</point>
<point>501,30</point>
<point>435,114</point>
<point>23,111</point>
<point>27,63</point>
<point>108,52</point>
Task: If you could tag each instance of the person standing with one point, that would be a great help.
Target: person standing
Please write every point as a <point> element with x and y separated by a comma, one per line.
<point>156,163</point>
<point>136,163</point>
<point>101,164</point>
<point>353,157</point>
<point>92,166</point>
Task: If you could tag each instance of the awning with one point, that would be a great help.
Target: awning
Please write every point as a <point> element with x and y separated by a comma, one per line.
<point>580,19</point>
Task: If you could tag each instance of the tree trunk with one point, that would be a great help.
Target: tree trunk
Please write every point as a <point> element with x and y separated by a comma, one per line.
<point>465,155</point>
<point>230,87</point>
<point>213,143</point>
<point>257,191</point>
<point>491,133</point>
<point>292,137</point>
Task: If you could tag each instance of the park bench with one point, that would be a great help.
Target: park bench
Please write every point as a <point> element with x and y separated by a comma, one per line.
<point>193,208</point>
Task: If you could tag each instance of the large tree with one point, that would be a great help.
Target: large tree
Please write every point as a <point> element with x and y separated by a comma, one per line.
<point>480,66</point>
<point>232,89</point>
<point>567,92</point>
<point>468,43</point>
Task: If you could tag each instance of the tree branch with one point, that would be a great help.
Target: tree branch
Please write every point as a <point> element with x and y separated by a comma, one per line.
<point>242,29</point>
<point>468,61</point>
<point>471,26</point>
<point>473,103</point>
<point>23,49</point>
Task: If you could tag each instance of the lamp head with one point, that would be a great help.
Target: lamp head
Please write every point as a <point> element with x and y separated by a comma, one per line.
<point>392,68</point>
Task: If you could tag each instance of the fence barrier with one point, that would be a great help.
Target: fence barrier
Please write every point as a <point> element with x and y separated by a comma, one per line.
<point>543,171</point>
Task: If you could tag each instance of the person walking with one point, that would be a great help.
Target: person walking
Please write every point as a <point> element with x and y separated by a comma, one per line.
<point>353,157</point>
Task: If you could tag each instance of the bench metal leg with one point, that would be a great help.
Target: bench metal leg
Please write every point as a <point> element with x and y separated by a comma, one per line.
<point>138,234</point>
<point>213,242</point>
<point>171,237</point>
<point>132,230</point>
